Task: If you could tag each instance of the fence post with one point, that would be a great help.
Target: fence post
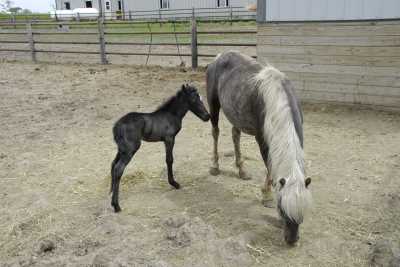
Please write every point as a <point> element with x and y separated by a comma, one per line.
<point>194,43</point>
<point>31,41</point>
<point>14,21</point>
<point>101,11</point>
<point>130,15</point>
<point>102,40</point>
<point>160,17</point>
<point>231,13</point>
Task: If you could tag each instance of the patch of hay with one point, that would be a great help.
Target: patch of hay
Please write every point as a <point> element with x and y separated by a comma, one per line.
<point>133,179</point>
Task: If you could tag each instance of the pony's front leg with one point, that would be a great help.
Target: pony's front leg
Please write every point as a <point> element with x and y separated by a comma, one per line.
<point>266,189</point>
<point>238,155</point>
<point>169,146</point>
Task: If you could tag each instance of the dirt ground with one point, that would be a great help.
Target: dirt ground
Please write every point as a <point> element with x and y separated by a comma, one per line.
<point>56,151</point>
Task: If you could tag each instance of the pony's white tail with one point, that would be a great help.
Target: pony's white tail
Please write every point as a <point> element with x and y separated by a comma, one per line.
<point>286,156</point>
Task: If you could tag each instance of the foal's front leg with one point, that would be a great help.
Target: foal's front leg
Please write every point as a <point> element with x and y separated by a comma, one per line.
<point>169,146</point>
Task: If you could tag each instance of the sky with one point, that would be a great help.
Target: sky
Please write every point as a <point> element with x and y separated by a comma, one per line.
<point>35,5</point>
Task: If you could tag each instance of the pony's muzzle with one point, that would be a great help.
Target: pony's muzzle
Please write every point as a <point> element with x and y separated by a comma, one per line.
<point>291,233</point>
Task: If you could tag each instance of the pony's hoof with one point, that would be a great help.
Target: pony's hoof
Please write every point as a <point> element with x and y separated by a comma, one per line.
<point>214,171</point>
<point>244,175</point>
<point>268,203</point>
<point>267,199</point>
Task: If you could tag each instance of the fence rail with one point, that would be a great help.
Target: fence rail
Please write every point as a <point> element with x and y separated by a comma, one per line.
<point>102,41</point>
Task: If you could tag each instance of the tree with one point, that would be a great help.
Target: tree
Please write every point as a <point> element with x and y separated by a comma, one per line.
<point>6,5</point>
<point>15,9</point>
<point>26,11</point>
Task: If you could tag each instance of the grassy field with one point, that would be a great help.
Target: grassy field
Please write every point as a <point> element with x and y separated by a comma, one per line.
<point>119,40</point>
<point>24,17</point>
<point>118,31</point>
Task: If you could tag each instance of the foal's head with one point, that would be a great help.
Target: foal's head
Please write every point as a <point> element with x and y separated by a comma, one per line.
<point>193,99</point>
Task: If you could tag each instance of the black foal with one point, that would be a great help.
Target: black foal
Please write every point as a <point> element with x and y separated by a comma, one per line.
<point>161,125</point>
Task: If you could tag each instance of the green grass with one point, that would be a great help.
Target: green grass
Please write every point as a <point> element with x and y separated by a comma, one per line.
<point>24,17</point>
<point>182,26</point>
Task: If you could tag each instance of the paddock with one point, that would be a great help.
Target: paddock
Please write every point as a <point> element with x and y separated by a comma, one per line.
<point>55,161</point>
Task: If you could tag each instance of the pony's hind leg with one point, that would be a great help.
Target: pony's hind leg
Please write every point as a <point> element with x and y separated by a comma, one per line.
<point>238,155</point>
<point>214,114</point>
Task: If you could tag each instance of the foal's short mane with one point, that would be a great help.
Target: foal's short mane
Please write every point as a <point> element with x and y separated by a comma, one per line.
<point>166,105</point>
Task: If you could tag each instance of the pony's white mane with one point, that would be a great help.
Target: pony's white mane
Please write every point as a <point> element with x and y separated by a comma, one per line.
<point>286,156</point>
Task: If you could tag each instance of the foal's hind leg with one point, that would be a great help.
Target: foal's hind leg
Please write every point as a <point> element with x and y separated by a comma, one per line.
<point>117,171</point>
<point>238,156</point>
<point>112,170</point>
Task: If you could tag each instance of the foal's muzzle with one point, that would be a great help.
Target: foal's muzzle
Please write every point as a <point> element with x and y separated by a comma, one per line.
<point>206,117</point>
<point>201,112</point>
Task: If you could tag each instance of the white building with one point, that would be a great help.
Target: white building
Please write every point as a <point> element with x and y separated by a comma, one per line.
<point>165,8</point>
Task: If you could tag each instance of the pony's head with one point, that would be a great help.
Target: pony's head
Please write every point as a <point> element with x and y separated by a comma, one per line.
<point>293,199</point>
<point>195,103</point>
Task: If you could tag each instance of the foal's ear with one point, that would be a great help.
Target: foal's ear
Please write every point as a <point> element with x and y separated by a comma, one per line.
<point>308,182</point>
<point>183,87</point>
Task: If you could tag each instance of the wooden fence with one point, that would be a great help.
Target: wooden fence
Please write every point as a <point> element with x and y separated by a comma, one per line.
<point>101,32</point>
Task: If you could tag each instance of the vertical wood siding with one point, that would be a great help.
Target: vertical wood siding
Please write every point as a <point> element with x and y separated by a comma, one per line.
<point>348,62</point>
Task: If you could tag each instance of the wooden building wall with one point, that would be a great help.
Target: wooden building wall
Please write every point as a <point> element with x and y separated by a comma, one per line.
<point>354,62</point>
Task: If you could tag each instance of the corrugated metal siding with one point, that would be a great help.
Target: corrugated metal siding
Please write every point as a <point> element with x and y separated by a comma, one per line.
<point>292,10</point>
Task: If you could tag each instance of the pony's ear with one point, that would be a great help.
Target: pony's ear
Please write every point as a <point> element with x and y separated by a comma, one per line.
<point>308,182</point>
<point>282,181</point>
<point>183,87</point>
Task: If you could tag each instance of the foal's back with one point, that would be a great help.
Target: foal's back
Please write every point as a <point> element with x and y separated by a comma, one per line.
<point>150,127</point>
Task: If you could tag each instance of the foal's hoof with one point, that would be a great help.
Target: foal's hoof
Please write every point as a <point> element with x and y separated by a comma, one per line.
<point>117,208</point>
<point>214,171</point>
<point>244,175</point>
<point>176,185</point>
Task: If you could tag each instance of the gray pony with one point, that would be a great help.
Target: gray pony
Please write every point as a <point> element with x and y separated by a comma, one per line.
<point>259,100</point>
